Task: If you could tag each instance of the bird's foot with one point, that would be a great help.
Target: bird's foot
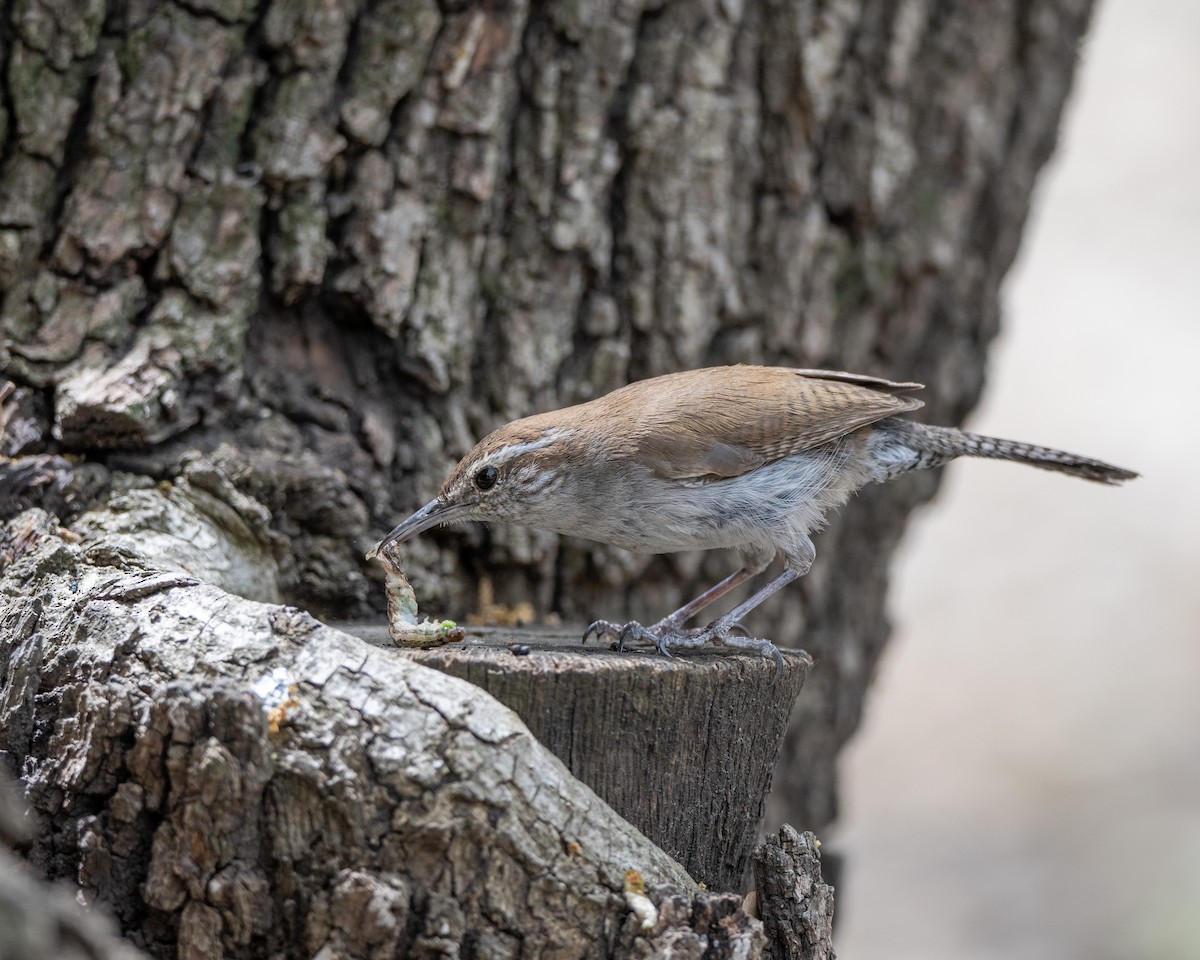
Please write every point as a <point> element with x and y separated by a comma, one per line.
<point>666,635</point>
<point>658,635</point>
<point>727,632</point>
<point>601,629</point>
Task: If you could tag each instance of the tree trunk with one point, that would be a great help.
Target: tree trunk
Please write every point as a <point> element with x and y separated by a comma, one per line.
<point>332,243</point>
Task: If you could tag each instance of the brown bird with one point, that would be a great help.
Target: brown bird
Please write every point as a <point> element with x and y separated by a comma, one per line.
<point>746,457</point>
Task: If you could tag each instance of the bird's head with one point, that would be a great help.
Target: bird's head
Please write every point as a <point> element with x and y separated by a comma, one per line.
<point>510,475</point>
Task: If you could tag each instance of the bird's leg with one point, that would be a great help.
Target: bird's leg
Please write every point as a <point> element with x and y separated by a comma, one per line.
<point>674,621</point>
<point>721,630</point>
<point>669,624</point>
<point>799,560</point>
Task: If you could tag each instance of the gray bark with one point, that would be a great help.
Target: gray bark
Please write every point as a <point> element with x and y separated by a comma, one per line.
<point>233,778</point>
<point>797,904</point>
<point>331,244</point>
<point>683,748</point>
<point>41,920</point>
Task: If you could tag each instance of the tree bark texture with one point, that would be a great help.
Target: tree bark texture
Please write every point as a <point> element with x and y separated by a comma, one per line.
<point>333,242</point>
<point>683,749</point>
<point>232,778</point>
<point>796,903</point>
<point>38,920</point>
<point>43,921</point>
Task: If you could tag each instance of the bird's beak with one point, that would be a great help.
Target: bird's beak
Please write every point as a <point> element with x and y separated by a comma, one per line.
<point>430,515</point>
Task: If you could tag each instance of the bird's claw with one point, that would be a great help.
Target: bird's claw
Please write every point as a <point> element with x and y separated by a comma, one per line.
<point>665,635</point>
<point>721,632</point>
<point>634,631</point>
<point>601,628</point>
<point>631,632</point>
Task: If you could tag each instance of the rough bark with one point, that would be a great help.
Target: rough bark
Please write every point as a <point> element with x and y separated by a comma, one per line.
<point>233,778</point>
<point>42,920</point>
<point>683,749</point>
<point>334,242</point>
<point>796,903</point>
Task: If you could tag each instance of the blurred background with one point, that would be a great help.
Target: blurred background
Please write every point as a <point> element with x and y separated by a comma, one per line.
<point>1027,783</point>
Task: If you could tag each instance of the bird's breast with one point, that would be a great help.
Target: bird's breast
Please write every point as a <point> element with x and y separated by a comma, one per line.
<point>636,510</point>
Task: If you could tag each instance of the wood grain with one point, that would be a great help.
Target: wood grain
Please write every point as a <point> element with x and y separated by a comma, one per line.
<point>682,748</point>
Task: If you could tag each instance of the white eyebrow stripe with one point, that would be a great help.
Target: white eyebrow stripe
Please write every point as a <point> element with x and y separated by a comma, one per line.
<point>505,453</point>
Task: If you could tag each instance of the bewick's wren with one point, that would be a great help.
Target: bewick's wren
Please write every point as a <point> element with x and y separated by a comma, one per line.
<point>744,457</point>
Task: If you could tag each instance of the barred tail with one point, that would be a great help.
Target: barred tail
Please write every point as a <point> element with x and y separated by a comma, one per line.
<point>934,445</point>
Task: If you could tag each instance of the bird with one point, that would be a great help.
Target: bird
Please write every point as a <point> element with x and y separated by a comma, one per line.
<point>746,457</point>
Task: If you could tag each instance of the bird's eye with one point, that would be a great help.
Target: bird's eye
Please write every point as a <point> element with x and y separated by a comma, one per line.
<point>486,477</point>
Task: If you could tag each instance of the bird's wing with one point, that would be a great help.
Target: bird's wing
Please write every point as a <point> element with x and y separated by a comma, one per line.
<point>709,425</point>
